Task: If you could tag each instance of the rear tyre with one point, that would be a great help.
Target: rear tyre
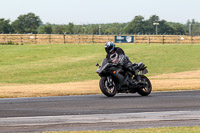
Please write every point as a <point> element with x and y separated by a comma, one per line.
<point>107,90</point>
<point>145,91</point>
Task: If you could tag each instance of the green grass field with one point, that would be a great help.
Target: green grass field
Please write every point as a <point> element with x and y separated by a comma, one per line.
<point>60,63</point>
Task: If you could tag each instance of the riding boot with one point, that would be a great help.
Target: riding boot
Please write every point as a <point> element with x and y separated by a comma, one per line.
<point>134,68</point>
<point>132,71</point>
<point>130,80</point>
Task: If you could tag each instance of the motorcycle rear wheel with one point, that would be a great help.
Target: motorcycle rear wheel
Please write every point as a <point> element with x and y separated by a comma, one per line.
<point>106,90</point>
<point>145,91</point>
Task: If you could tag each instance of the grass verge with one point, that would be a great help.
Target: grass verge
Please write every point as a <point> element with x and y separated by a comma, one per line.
<point>69,69</point>
<point>44,64</point>
<point>167,82</point>
<point>146,130</point>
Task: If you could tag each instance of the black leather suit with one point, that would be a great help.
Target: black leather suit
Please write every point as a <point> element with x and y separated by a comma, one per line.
<point>118,57</point>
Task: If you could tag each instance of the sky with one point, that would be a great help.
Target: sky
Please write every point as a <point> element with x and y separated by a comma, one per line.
<point>101,11</point>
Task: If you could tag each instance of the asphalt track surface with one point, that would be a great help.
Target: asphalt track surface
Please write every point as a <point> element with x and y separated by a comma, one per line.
<point>98,112</point>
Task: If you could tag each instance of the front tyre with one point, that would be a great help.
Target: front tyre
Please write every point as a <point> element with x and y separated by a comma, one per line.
<point>108,90</point>
<point>146,90</point>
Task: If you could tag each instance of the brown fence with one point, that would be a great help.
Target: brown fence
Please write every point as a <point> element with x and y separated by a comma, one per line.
<point>91,39</point>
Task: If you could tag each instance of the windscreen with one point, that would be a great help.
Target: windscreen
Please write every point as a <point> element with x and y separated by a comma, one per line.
<point>104,62</point>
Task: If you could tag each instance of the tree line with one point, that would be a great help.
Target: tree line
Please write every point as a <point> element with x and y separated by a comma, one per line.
<point>30,23</point>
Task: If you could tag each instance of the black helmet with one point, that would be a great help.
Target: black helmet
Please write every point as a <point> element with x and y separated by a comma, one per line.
<point>109,47</point>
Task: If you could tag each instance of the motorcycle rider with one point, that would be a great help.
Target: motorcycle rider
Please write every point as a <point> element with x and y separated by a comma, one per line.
<point>117,56</point>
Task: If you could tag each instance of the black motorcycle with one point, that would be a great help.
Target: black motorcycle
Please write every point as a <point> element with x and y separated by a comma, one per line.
<point>114,79</point>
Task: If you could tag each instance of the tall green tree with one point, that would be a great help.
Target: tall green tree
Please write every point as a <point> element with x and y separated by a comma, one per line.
<point>194,25</point>
<point>27,23</point>
<point>165,28</point>
<point>70,28</point>
<point>177,28</point>
<point>60,29</point>
<point>196,28</point>
<point>45,29</point>
<point>149,27</point>
<point>136,26</point>
<point>113,28</point>
<point>5,26</point>
<point>93,29</point>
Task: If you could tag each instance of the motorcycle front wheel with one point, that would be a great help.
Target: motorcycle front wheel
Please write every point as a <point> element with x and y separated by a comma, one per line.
<point>108,90</point>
